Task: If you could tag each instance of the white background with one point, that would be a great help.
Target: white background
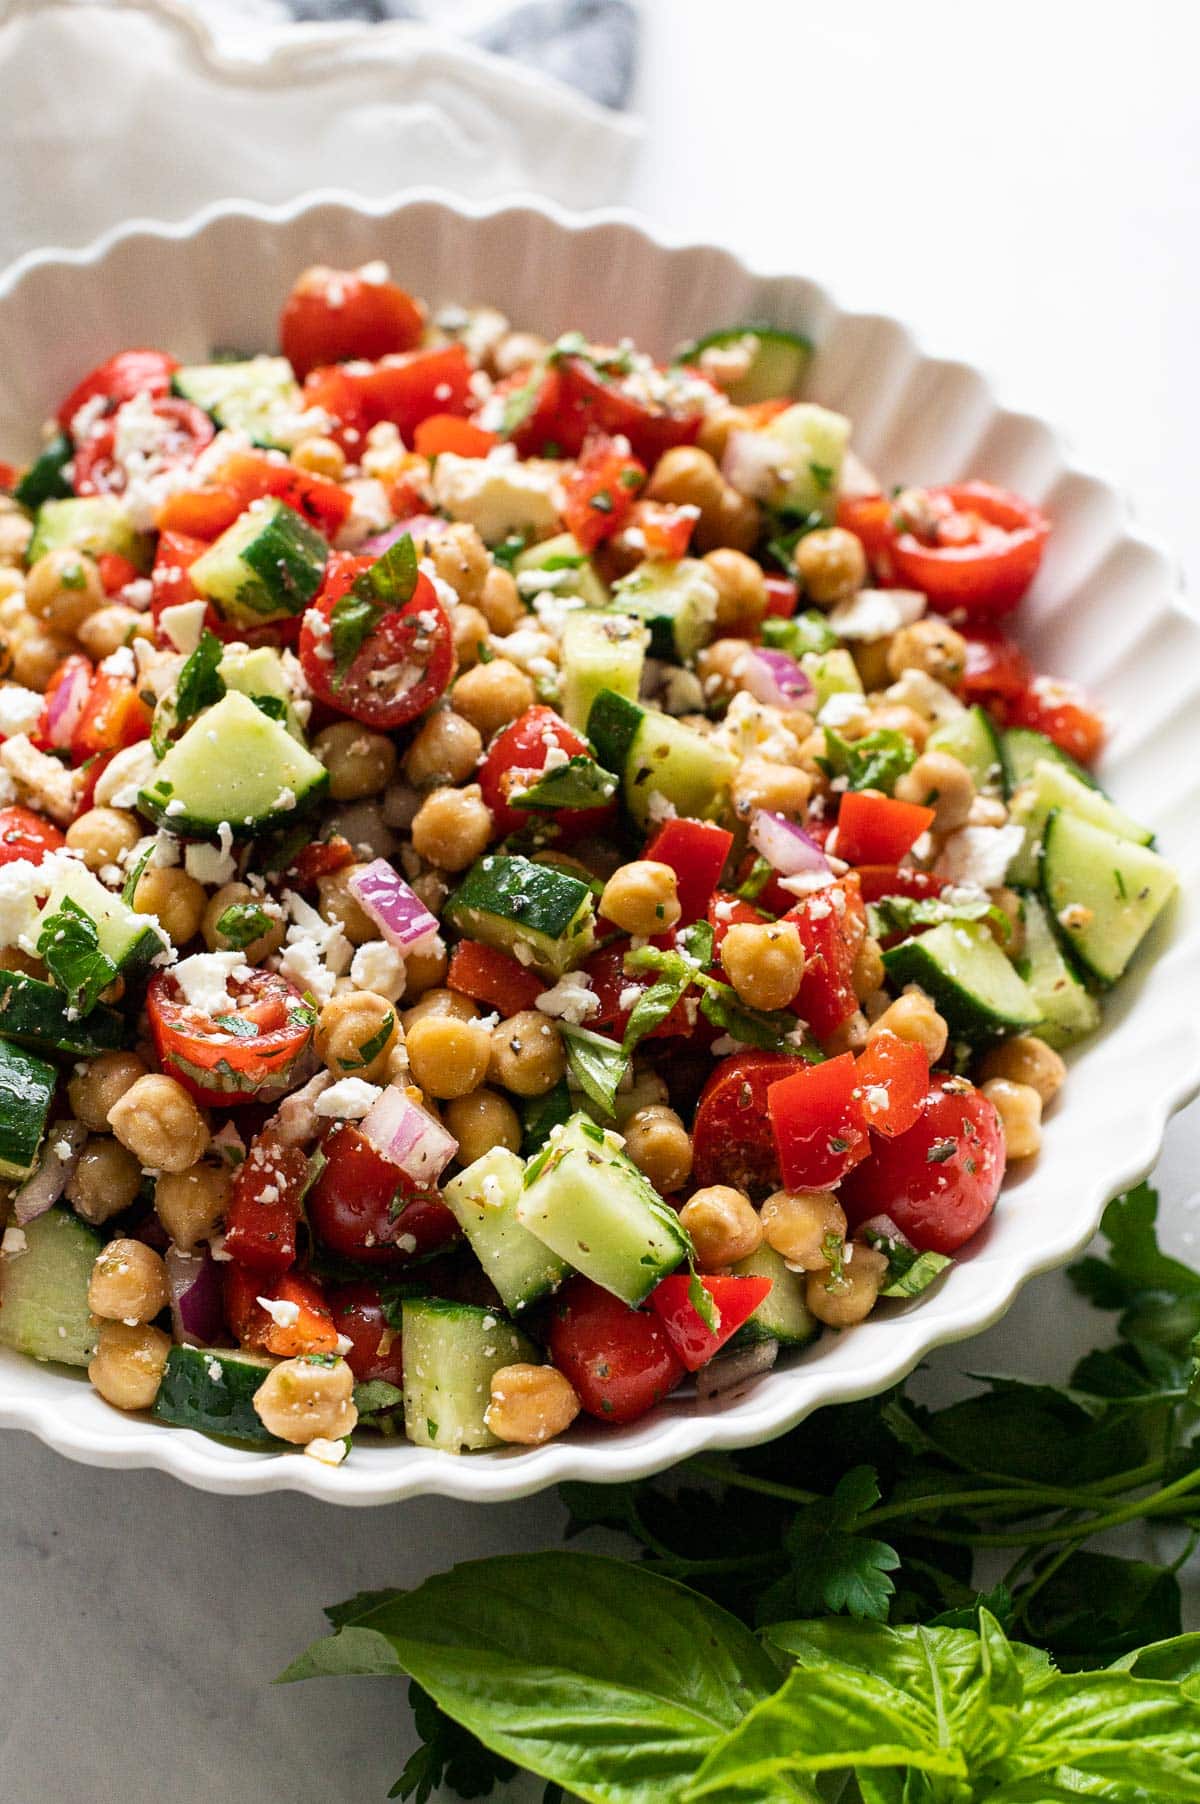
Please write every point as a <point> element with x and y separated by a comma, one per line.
<point>1024,185</point>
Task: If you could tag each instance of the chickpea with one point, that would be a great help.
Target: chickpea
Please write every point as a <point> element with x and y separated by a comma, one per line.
<point>646,1089</point>
<point>111,627</point>
<point>1026,1060</point>
<point>160,1124</point>
<point>1019,1107</point>
<point>723,1224</point>
<point>500,602</point>
<point>105,1180</point>
<point>913,1017</point>
<point>760,783</point>
<point>176,901</point>
<point>189,1204</point>
<point>360,763</point>
<point>102,835</point>
<point>720,665</point>
<point>831,564</point>
<point>841,1302</point>
<point>462,560</point>
<point>867,973</point>
<point>320,456</point>
<point>687,477</point>
<point>336,902</point>
<point>128,1282</point>
<point>660,1146</point>
<point>445,750</point>
<point>36,655</point>
<point>527,1054</point>
<point>481,1120</point>
<point>230,895</point>
<point>931,645</point>
<point>801,1224</point>
<point>642,897</point>
<point>741,590</point>
<point>100,1084</point>
<point>491,695</point>
<point>128,1364</point>
<point>302,1400</point>
<point>895,717</point>
<point>516,351</point>
<point>15,533</point>
<point>530,1404</point>
<point>452,827</point>
<point>718,428</point>
<point>63,588</point>
<point>470,632</point>
<point>870,661</point>
<point>355,1033</point>
<point>448,1058</point>
<point>942,782</point>
<point>764,962</point>
<point>1010,937</point>
<point>451,1004</point>
<point>424,970</point>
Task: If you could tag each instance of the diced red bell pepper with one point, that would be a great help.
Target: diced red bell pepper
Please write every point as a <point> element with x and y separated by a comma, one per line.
<point>696,851</point>
<point>726,911</point>
<point>311,1331</point>
<point>893,1078</point>
<point>879,880</point>
<point>666,530</point>
<point>734,1302</point>
<point>448,432</point>
<point>819,1125</point>
<point>264,1206</point>
<point>115,571</point>
<point>493,978</point>
<point>115,716</point>
<point>600,491</point>
<point>91,771</point>
<point>877,829</point>
<point>618,992</point>
<point>173,558</point>
<point>782,597</point>
<point>833,926</point>
<point>320,858</point>
<point>250,476</point>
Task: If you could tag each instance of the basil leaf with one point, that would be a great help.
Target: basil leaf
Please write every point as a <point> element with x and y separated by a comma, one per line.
<point>597,1065</point>
<point>908,1272</point>
<point>766,1028</point>
<point>200,682</point>
<point>580,783</point>
<point>387,585</point>
<point>900,914</point>
<point>273,706</point>
<point>507,553</point>
<point>70,944</point>
<point>242,923</point>
<point>655,1003</point>
<point>875,762</point>
<point>756,881</point>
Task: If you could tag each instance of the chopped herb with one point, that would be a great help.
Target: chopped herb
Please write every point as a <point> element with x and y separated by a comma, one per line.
<point>602,501</point>
<point>385,587</point>
<point>580,783</point>
<point>940,1151</point>
<point>701,1300</point>
<point>69,942</point>
<point>200,682</point>
<point>597,1065</point>
<point>823,475</point>
<point>242,923</point>
<point>874,762</point>
<point>273,706</point>
<point>507,553</point>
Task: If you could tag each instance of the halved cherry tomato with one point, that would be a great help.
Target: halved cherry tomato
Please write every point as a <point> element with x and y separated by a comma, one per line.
<point>600,490</point>
<point>819,1125</point>
<point>249,476</point>
<point>320,858</point>
<point>983,552</point>
<point>183,431</point>
<point>403,390</point>
<point>114,716</point>
<point>311,1331</point>
<point>939,1181</point>
<point>448,432</point>
<point>732,1142</point>
<point>25,835</point>
<point>696,851</point>
<point>335,314</point>
<point>879,880</point>
<point>375,1346</point>
<point>782,597</point>
<point>493,978</point>
<point>595,398</point>
<point>619,1360</point>
<point>892,1077</point>
<point>1062,712</point>
<point>877,829</point>
<point>250,1053</point>
<point>116,571</point>
<point>516,759</point>
<point>264,1205</point>
<point>663,530</point>
<point>997,669</point>
<point>734,1301</point>
<point>122,377</point>
<point>833,926</point>
<point>365,1208</point>
<point>402,665</point>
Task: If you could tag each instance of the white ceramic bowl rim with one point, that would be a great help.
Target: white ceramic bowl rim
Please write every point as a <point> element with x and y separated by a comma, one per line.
<point>1136,1095</point>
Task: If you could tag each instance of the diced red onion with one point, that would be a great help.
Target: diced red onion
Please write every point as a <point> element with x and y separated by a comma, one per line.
<point>43,1187</point>
<point>424,525</point>
<point>396,910</point>
<point>729,1370</point>
<point>785,846</point>
<point>64,710</point>
<point>195,1286</point>
<point>775,678</point>
<point>411,1139</point>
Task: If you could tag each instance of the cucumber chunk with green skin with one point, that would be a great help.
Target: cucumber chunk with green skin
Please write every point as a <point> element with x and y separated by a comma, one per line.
<point>543,916</point>
<point>27,1086</point>
<point>45,480</point>
<point>127,938</point>
<point>92,523</point>
<point>1069,1012</point>
<point>258,396</point>
<point>591,1205</point>
<point>258,671</point>
<point>1024,748</point>
<point>1103,893</point>
<point>600,651</point>
<point>35,1014</point>
<point>656,755</point>
<point>1052,786</point>
<point>44,1290</point>
<point>483,1200</point>
<point>677,599</point>
<point>972,739</point>
<point>560,566</point>
<point>212,1390</point>
<point>267,566</point>
<point>769,361</point>
<point>783,1314</point>
<point>451,1351</point>
<point>973,986</point>
<point>233,764</point>
<point>814,442</point>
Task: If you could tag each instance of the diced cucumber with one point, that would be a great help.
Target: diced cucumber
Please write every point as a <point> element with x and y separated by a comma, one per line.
<point>1069,1012</point>
<point>483,1200</point>
<point>561,566</point>
<point>815,441</point>
<point>27,1087</point>
<point>44,480</point>
<point>972,983</point>
<point>1050,786</point>
<point>677,599</point>
<point>783,1315</point>
<point>267,566</point>
<point>451,1351</point>
<point>655,755</point>
<point>234,764</point>
<point>542,915</point>
<point>768,360</point>
<point>125,937</point>
<point>258,671</point>
<point>831,673</point>
<point>43,1291</point>
<point>600,651</point>
<point>91,523</point>
<point>1024,748</point>
<point>591,1205</point>
<point>259,397</point>
<point>972,739</point>
<point>1102,891</point>
<point>212,1390</point>
<point>35,1014</point>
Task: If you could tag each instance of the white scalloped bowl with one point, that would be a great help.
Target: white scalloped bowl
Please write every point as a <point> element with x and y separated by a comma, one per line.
<point>1105,610</point>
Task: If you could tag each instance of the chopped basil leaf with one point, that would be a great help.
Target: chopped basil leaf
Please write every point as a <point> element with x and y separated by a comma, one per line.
<point>69,942</point>
<point>701,1301</point>
<point>909,1272</point>
<point>242,923</point>
<point>900,914</point>
<point>580,783</point>
<point>507,553</point>
<point>875,762</point>
<point>386,586</point>
<point>273,706</point>
<point>200,682</point>
<point>597,1064</point>
<point>135,872</point>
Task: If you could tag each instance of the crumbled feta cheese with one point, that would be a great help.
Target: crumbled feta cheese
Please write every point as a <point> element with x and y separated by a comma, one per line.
<point>660,808</point>
<point>127,772</point>
<point>120,663</point>
<point>329,1453</point>
<point>876,613</point>
<point>525,646</point>
<point>843,707</point>
<point>757,464</point>
<point>204,980</point>
<point>927,697</point>
<point>349,1099</point>
<point>754,729</point>
<point>14,1243</point>
<point>22,885</point>
<point>213,865</point>
<point>20,709</point>
<point>183,624</point>
<point>980,855</point>
<point>281,1312</point>
<point>51,788</point>
<point>496,494</point>
<point>571,999</point>
<point>378,967</point>
<point>229,1145</point>
<point>370,512</point>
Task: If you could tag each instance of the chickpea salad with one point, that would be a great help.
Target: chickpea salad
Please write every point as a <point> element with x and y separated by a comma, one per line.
<point>525,876</point>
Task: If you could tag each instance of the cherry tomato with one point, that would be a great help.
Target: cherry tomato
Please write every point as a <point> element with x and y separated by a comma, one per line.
<point>404,390</point>
<point>24,834</point>
<point>619,1360</point>
<point>332,315</point>
<point>833,926</point>
<point>877,829</point>
<point>375,1349</point>
<point>939,1181</point>
<point>183,431</point>
<point>892,1077</point>
<point>734,1301</point>
<point>400,668</point>
<point>869,518</point>
<point>732,1142</point>
<point>1061,711</point>
<point>515,760</point>
<point>492,978</point>
<point>818,1122</point>
<point>264,1205</point>
<point>982,554</point>
<point>600,490</point>
<point>580,396</point>
<point>250,1054</point>
<point>997,669</point>
<point>127,374</point>
<point>447,432</point>
<point>365,1208</point>
<point>320,858</point>
<point>116,572</point>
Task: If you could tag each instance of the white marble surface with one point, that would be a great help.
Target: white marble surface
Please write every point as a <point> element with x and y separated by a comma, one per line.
<point>1027,193</point>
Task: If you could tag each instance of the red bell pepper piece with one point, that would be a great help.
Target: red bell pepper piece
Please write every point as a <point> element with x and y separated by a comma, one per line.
<point>115,716</point>
<point>696,851</point>
<point>819,1125</point>
<point>447,432</point>
<point>893,1078</point>
<point>25,835</point>
<point>115,571</point>
<point>734,1302</point>
<point>493,978</point>
<point>877,829</point>
<point>833,925</point>
<point>782,597</point>
<point>726,911</point>
<point>600,490</point>
<point>320,859</point>
<point>264,1206</point>
<point>879,880</point>
<point>173,558</point>
<point>311,1331</point>
<point>249,476</point>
